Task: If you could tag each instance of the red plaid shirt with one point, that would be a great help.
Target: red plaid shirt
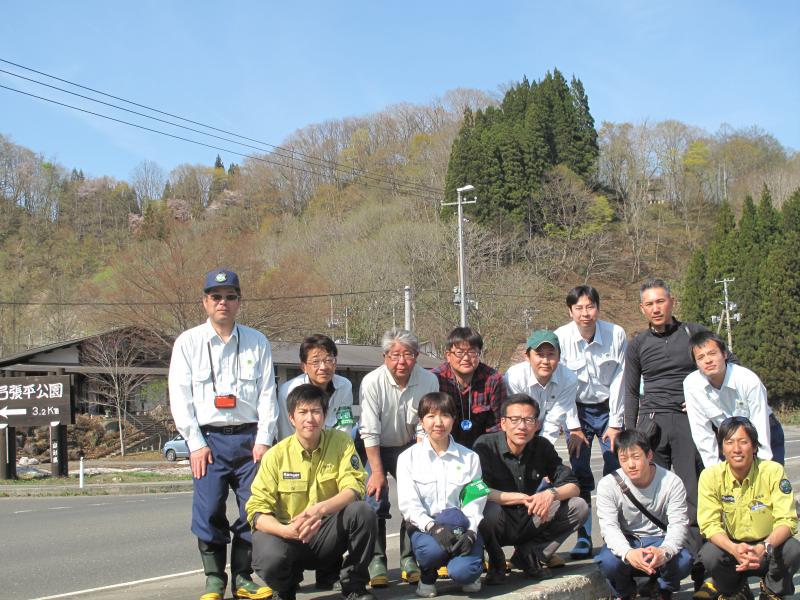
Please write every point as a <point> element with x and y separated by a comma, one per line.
<point>479,402</point>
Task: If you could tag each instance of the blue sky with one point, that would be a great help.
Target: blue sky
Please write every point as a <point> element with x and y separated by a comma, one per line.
<point>265,69</point>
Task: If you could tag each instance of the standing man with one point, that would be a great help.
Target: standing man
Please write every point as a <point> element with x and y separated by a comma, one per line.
<point>551,384</point>
<point>536,522</point>
<point>306,509</point>
<point>746,511</point>
<point>318,355</point>
<point>635,544</point>
<point>594,351</point>
<point>718,390</point>
<point>222,396</point>
<point>389,424</point>
<point>478,390</point>
<point>661,357</point>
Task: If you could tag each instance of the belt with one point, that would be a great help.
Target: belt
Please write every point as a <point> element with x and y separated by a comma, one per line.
<point>228,429</point>
<point>603,404</point>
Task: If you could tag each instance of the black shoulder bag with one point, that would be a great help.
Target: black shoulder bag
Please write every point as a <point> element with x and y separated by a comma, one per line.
<point>625,490</point>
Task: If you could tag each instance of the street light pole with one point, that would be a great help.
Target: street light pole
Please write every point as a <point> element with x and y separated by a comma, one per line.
<point>462,269</point>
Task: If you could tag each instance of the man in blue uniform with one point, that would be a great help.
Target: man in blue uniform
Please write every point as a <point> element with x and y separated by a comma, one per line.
<point>223,401</point>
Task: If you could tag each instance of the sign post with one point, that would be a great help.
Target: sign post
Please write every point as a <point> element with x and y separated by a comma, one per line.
<point>32,401</point>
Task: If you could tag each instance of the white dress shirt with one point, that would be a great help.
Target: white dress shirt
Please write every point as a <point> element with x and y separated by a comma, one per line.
<point>248,375</point>
<point>556,399</point>
<point>598,365</point>
<point>428,483</point>
<point>742,395</point>
<point>340,404</point>
<point>389,412</point>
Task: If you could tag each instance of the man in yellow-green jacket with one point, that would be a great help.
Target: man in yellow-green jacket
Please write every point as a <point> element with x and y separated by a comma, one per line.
<point>746,512</point>
<point>306,507</point>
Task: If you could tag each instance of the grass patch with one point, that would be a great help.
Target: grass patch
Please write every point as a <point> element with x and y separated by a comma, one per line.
<point>788,415</point>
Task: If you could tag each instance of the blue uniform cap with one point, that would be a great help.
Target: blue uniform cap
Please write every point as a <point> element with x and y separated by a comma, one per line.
<point>220,278</point>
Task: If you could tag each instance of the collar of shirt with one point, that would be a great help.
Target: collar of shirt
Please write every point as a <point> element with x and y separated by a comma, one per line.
<point>426,443</point>
<point>581,341</point>
<point>668,330</point>
<point>212,335</point>
<point>554,378</point>
<point>731,481</point>
<point>329,389</point>
<point>479,375</point>
<point>296,447</point>
<point>412,380</point>
<point>726,382</point>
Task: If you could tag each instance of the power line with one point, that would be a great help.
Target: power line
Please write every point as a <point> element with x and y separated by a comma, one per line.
<point>193,302</point>
<point>199,143</point>
<point>290,153</point>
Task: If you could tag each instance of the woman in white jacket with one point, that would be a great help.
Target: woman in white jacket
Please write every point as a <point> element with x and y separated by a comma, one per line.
<point>441,496</point>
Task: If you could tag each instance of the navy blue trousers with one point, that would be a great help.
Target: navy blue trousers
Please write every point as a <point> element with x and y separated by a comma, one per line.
<point>233,469</point>
<point>594,422</point>
<point>620,574</point>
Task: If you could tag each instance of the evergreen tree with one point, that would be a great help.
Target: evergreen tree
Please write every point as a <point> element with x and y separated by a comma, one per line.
<point>722,253</point>
<point>777,356</point>
<point>696,302</point>
<point>506,151</point>
<point>759,229</point>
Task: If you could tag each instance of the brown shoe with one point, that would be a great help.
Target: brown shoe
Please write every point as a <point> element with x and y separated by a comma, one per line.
<point>555,562</point>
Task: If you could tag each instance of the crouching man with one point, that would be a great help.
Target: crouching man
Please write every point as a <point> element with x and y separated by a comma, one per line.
<point>306,508</point>
<point>643,517</point>
<point>746,511</point>
<point>514,461</point>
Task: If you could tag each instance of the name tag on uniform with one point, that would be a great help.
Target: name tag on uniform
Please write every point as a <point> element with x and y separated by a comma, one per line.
<point>758,506</point>
<point>291,475</point>
<point>728,499</point>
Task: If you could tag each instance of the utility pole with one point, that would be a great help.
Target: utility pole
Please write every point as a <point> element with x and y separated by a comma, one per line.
<point>407,304</point>
<point>462,274</point>
<point>727,308</point>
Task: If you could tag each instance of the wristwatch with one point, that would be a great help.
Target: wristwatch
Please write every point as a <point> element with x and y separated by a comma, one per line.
<point>767,548</point>
<point>553,491</point>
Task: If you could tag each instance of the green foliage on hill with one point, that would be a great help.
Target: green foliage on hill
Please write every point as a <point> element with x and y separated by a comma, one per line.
<point>506,151</point>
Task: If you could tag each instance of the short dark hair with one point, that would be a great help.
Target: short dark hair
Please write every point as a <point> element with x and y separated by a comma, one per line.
<point>654,282</point>
<point>578,291</point>
<point>630,438</point>
<point>464,334</point>
<point>730,425</point>
<point>519,399</point>
<point>702,337</point>
<point>306,393</point>
<point>436,401</point>
<point>318,340</point>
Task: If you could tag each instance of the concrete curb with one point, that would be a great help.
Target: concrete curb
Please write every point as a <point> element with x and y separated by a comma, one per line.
<point>96,489</point>
<point>577,581</point>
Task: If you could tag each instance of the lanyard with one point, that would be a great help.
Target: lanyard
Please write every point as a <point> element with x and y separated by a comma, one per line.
<point>211,362</point>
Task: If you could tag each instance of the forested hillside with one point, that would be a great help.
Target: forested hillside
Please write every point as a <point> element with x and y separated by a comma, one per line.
<point>327,229</point>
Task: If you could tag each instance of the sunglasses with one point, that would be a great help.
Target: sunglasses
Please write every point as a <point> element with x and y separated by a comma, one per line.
<point>227,297</point>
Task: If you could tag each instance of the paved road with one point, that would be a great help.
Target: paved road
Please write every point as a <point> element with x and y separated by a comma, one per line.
<point>53,546</point>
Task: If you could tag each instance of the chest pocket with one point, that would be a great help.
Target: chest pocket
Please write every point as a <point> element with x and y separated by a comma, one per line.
<point>328,484</point>
<point>578,366</point>
<point>426,487</point>
<point>292,486</point>
<point>606,369</point>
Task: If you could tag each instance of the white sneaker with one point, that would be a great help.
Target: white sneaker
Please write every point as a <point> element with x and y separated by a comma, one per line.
<point>426,590</point>
<point>470,588</point>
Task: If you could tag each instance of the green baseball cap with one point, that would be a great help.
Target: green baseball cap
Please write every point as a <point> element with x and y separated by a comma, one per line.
<point>542,336</point>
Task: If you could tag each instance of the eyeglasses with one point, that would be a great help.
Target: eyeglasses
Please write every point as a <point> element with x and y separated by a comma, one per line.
<point>459,354</point>
<point>396,356</point>
<point>529,421</point>
<point>227,297</point>
<point>328,361</point>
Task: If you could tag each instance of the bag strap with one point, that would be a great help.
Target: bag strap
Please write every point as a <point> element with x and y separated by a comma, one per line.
<point>625,490</point>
